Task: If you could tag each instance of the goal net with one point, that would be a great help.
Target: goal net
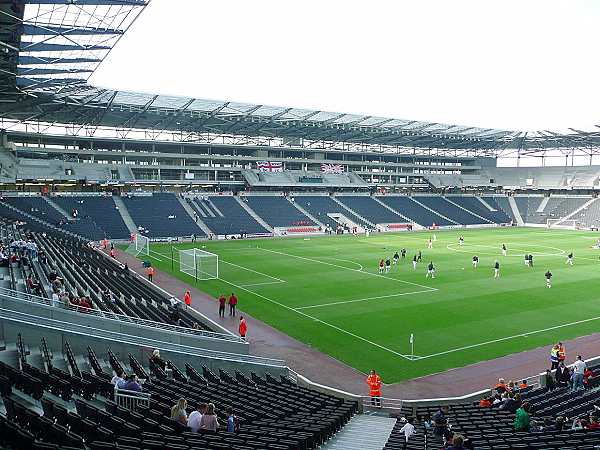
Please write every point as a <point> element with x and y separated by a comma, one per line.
<point>139,246</point>
<point>560,223</point>
<point>199,264</point>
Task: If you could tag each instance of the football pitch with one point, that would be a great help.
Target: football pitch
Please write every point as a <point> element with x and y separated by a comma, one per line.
<point>327,293</point>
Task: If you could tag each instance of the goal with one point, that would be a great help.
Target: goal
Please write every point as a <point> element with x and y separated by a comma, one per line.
<point>199,264</point>
<point>570,224</point>
<point>139,246</point>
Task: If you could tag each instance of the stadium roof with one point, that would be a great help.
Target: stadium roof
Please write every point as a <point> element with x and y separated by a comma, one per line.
<point>51,47</point>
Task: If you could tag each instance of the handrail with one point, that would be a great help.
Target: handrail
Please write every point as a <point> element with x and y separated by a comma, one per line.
<point>381,402</point>
<point>85,330</point>
<point>22,296</point>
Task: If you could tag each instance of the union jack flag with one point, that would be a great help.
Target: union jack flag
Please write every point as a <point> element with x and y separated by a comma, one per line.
<point>332,168</point>
<point>269,166</point>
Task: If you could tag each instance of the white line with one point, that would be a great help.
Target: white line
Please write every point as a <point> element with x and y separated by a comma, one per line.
<point>255,271</point>
<point>348,268</point>
<point>308,316</point>
<point>260,284</point>
<point>466,347</point>
<point>364,299</point>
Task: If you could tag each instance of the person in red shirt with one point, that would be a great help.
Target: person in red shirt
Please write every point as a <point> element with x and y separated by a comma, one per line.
<point>232,303</point>
<point>150,273</point>
<point>222,301</point>
<point>381,266</point>
<point>243,328</point>
<point>112,253</point>
<point>485,403</point>
<point>187,298</point>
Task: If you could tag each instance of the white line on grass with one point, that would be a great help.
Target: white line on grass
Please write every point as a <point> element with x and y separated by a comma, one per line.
<point>342,302</point>
<point>260,284</point>
<point>308,316</point>
<point>348,268</point>
<point>279,280</point>
<point>514,336</point>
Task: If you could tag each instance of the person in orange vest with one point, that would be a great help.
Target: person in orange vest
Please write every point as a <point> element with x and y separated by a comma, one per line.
<point>187,298</point>
<point>500,387</point>
<point>562,354</point>
<point>112,253</point>
<point>104,243</point>
<point>150,273</point>
<point>243,328</point>
<point>374,382</point>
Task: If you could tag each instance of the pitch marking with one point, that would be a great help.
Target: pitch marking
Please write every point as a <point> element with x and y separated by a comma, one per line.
<point>363,299</point>
<point>348,268</point>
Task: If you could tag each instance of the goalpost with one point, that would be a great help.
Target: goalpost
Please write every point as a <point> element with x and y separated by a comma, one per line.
<point>199,264</point>
<point>570,224</point>
<point>139,245</point>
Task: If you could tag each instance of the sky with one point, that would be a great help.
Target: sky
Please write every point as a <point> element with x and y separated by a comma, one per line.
<point>517,65</point>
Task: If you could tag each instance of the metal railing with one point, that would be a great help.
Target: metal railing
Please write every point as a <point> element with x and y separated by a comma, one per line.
<point>381,402</point>
<point>84,330</point>
<point>131,399</point>
<point>10,294</point>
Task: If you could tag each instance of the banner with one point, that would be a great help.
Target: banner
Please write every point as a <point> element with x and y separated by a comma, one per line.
<point>332,168</point>
<point>269,166</point>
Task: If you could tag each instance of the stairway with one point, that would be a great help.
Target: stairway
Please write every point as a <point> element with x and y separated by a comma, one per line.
<point>306,213</point>
<point>255,216</point>
<point>542,206</point>
<point>362,432</point>
<point>186,206</point>
<point>350,210</point>
<point>129,223</point>
<point>484,203</point>
<point>58,208</point>
<point>515,210</point>
<point>573,213</point>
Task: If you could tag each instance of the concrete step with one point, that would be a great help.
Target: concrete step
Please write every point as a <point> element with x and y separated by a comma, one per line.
<point>362,432</point>
<point>129,223</point>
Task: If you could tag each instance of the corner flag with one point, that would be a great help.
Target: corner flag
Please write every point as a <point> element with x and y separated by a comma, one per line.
<point>412,338</point>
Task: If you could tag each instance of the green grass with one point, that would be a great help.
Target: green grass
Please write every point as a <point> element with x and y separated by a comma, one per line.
<point>453,324</point>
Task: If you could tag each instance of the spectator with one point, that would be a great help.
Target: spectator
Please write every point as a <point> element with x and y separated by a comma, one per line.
<point>233,300</point>
<point>440,421</point>
<point>55,298</point>
<point>233,423</point>
<point>196,416</point>
<point>126,269</point>
<point>118,379</point>
<point>157,360</point>
<point>133,384</point>
<point>562,353</point>
<point>522,418</point>
<point>578,372</point>
<point>243,328</point>
<point>485,403</point>
<point>209,421</point>
<point>178,412</point>
<point>523,385</point>
<point>408,430</point>
<point>457,442</point>
<point>562,375</point>
<point>593,425</point>
<point>222,301</point>
<point>500,386</point>
<point>512,403</point>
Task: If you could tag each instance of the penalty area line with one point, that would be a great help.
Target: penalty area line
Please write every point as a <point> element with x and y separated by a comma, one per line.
<point>366,299</point>
<point>315,319</point>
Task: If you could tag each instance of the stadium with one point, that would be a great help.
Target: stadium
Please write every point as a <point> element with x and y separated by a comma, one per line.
<point>185,273</point>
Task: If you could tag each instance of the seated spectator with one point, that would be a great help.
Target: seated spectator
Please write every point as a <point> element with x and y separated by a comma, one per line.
<point>209,421</point>
<point>233,423</point>
<point>457,442</point>
<point>594,424</point>
<point>118,379</point>
<point>512,403</point>
<point>589,373</point>
<point>522,418</point>
<point>500,386</point>
<point>485,402</point>
<point>195,417</point>
<point>156,359</point>
<point>132,384</point>
<point>178,412</point>
<point>523,385</point>
<point>85,302</point>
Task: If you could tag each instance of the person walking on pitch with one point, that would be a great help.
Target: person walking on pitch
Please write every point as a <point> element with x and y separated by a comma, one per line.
<point>475,261</point>
<point>548,276</point>
<point>497,269</point>
<point>414,262</point>
<point>569,259</point>
<point>430,270</point>
<point>388,264</point>
<point>504,250</point>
